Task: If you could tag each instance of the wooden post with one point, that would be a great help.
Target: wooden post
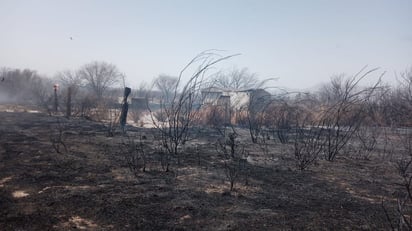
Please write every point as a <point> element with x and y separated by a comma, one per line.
<point>56,103</point>
<point>125,108</point>
<point>69,102</point>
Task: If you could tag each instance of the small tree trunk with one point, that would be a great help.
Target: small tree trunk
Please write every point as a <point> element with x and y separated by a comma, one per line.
<point>56,103</point>
<point>177,154</point>
<point>69,102</point>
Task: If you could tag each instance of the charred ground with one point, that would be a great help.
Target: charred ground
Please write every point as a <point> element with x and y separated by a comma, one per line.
<point>91,187</point>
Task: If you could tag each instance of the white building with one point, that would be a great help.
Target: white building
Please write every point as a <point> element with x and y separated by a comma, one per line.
<point>236,99</point>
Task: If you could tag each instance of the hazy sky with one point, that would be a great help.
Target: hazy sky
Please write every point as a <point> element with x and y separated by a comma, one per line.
<point>302,43</point>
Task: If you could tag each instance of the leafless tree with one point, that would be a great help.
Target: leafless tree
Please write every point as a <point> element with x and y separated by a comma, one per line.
<point>69,78</point>
<point>58,136</point>
<point>405,83</point>
<point>166,85</point>
<point>399,216</point>
<point>259,101</point>
<point>233,169</point>
<point>70,85</point>
<point>236,79</point>
<point>179,111</point>
<point>87,88</point>
<point>217,117</point>
<point>259,110</point>
<point>41,92</point>
<point>280,118</point>
<point>26,86</point>
<point>365,141</point>
<point>99,76</point>
<point>234,157</point>
<point>396,108</point>
<point>308,141</point>
<point>134,154</point>
<point>400,101</point>
<point>108,111</point>
<point>142,90</point>
<point>343,114</point>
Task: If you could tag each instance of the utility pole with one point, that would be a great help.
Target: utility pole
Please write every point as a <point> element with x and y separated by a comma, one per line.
<point>56,103</point>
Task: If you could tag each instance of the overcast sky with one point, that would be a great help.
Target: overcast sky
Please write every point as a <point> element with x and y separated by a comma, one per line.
<point>303,43</point>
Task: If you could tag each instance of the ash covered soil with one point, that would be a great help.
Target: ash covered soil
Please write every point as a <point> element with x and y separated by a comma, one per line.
<point>90,186</point>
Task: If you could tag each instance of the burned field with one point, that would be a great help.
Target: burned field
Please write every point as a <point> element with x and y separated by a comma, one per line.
<point>88,183</point>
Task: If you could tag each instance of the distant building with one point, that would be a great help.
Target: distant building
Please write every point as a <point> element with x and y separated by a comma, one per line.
<point>135,103</point>
<point>120,100</point>
<point>254,99</point>
<point>234,105</point>
<point>139,103</point>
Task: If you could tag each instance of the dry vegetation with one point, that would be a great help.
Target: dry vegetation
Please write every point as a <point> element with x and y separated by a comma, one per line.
<point>90,186</point>
<point>337,159</point>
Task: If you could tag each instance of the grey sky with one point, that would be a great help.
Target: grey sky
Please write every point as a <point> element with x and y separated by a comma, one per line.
<point>301,42</point>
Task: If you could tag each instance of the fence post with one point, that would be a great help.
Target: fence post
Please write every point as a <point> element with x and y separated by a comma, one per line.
<point>125,108</point>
